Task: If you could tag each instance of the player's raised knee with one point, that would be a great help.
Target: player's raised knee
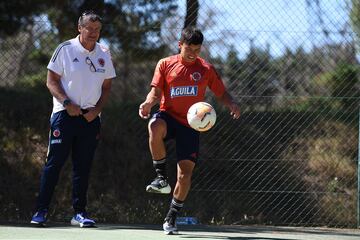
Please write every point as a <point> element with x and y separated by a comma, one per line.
<point>157,127</point>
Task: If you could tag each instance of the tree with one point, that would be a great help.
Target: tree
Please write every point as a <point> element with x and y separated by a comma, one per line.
<point>132,27</point>
<point>355,16</point>
<point>258,77</point>
<point>344,86</point>
<point>135,30</point>
<point>15,15</point>
<point>355,21</point>
<point>64,15</point>
<point>192,12</point>
<point>232,69</point>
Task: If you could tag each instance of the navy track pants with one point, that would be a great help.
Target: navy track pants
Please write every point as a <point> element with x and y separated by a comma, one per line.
<point>75,135</point>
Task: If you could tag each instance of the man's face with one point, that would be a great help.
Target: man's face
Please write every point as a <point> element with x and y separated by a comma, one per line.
<point>90,31</point>
<point>189,53</point>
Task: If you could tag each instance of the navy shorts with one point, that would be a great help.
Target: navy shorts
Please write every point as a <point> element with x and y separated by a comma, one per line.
<point>187,139</point>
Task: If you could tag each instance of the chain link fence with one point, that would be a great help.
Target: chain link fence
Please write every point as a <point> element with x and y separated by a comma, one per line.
<point>290,159</point>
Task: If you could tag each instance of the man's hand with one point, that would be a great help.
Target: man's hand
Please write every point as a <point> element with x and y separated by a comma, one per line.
<point>91,114</point>
<point>73,109</point>
<point>234,110</point>
<point>152,98</point>
<point>228,101</point>
<point>144,110</point>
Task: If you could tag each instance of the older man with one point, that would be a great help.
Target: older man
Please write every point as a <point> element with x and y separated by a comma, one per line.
<point>79,79</point>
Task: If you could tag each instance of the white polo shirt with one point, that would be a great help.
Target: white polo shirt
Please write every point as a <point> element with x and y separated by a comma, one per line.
<point>82,72</point>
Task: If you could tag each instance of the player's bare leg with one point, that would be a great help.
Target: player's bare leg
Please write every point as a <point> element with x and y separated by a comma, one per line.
<point>181,190</point>
<point>157,132</point>
<point>183,183</point>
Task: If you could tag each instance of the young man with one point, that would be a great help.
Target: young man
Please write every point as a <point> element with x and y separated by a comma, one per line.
<point>79,78</point>
<point>174,78</point>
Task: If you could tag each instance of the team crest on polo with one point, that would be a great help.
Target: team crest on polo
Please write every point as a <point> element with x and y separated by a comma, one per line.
<point>196,76</point>
<point>101,61</point>
<point>183,91</point>
<point>56,133</point>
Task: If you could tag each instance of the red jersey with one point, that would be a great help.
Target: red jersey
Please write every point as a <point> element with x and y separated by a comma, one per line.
<point>183,84</point>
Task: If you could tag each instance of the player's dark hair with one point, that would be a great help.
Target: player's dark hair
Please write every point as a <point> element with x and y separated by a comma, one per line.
<point>89,15</point>
<point>191,35</point>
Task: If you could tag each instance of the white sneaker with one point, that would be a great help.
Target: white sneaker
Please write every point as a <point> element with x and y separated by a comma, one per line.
<point>159,185</point>
<point>170,227</point>
<point>81,219</point>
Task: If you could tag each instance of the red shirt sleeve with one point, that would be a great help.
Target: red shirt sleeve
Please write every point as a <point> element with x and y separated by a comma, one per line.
<point>159,75</point>
<point>216,84</point>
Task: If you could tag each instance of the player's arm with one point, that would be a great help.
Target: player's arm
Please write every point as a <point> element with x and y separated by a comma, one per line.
<point>217,86</point>
<point>53,83</point>
<point>152,99</point>
<point>105,92</point>
<point>229,102</point>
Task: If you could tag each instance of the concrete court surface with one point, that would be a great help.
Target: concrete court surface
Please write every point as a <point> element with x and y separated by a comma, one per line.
<point>61,231</point>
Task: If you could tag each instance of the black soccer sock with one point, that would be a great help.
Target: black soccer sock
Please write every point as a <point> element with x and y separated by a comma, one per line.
<point>175,207</point>
<point>160,167</point>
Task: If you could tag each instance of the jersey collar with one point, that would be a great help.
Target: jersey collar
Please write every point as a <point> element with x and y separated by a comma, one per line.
<point>82,49</point>
<point>180,59</point>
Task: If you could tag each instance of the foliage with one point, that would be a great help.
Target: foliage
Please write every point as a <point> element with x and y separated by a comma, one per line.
<point>337,90</point>
<point>64,15</point>
<point>24,115</point>
<point>139,21</point>
<point>329,167</point>
<point>137,26</point>
<point>345,85</point>
<point>253,76</point>
<point>355,17</point>
<point>16,15</point>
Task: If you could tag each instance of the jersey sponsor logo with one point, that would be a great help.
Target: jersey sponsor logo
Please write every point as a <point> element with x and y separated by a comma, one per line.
<point>183,91</point>
<point>196,76</point>
<point>56,141</point>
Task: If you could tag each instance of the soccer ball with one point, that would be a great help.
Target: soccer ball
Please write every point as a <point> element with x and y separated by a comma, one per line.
<point>201,116</point>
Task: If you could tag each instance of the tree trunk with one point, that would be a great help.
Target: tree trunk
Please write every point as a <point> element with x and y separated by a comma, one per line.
<point>192,11</point>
